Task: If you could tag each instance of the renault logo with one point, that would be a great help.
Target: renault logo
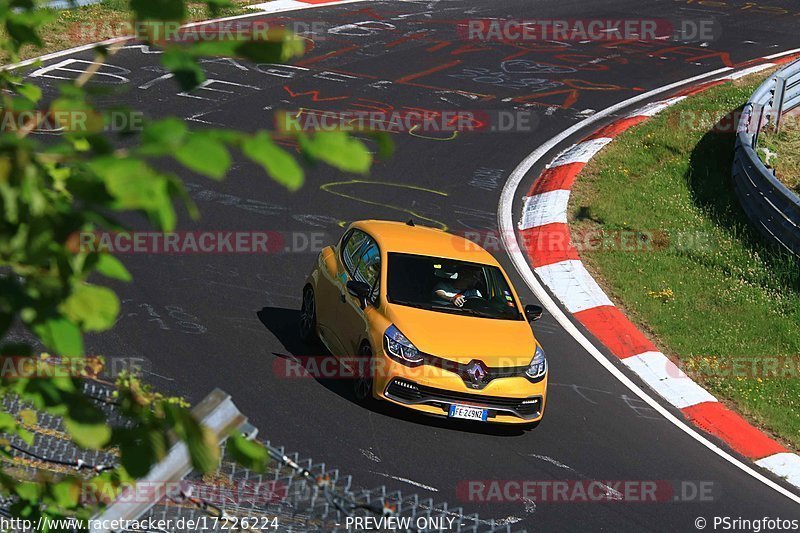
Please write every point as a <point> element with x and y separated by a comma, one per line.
<point>476,371</point>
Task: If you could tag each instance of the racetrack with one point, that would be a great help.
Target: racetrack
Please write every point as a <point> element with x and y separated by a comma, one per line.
<point>208,321</point>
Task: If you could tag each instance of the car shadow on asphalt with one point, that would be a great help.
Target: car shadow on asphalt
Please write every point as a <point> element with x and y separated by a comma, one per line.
<point>303,361</point>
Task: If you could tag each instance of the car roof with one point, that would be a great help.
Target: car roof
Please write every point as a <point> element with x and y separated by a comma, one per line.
<point>400,237</point>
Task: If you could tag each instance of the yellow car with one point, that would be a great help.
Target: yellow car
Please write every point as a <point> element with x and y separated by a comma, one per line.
<point>426,320</point>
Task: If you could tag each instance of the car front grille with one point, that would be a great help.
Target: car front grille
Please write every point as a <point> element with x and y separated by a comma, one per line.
<point>408,392</point>
<point>463,371</point>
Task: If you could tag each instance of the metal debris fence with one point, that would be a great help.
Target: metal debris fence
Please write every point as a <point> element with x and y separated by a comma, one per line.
<point>295,494</point>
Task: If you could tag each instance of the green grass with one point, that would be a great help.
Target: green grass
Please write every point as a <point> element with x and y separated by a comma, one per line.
<point>716,292</point>
<point>786,147</point>
<point>96,22</point>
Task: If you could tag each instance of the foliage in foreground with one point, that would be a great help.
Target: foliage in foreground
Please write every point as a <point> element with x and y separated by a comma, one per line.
<point>80,183</point>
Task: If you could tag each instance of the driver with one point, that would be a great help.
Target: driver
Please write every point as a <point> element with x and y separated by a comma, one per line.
<point>457,290</point>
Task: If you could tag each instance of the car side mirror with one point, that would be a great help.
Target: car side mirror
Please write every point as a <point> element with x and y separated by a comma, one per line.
<point>360,290</point>
<point>533,312</point>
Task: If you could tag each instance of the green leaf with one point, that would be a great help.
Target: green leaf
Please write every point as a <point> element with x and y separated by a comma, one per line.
<point>22,31</point>
<point>184,66</point>
<point>76,116</point>
<point>262,51</point>
<point>26,436</point>
<point>134,185</point>
<point>92,307</point>
<point>385,144</point>
<point>138,451</point>
<point>29,91</point>
<point>111,267</point>
<point>158,10</point>
<point>204,155</point>
<point>88,435</point>
<point>28,417</point>
<point>65,493</point>
<point>163,136</point>
<point>27,490</point>
<point>278,163</point>
<point>7,423</point>
<point>338,150</point>
<point>60,335</point>
<point>86,424</point>
<point>203,450</point>
<point>248,453</point>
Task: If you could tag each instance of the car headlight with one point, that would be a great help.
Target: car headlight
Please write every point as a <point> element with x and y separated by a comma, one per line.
<point>538,366</point>
<point>400,348</point>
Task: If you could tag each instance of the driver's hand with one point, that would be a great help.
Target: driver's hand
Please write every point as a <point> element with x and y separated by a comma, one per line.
<point>459,300</point>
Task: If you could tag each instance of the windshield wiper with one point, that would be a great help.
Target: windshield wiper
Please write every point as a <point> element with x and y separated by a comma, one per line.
<point>460,311</point>
<point>411,304</point>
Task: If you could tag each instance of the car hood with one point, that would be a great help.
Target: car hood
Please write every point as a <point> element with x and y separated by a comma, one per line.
<point>498,343</point>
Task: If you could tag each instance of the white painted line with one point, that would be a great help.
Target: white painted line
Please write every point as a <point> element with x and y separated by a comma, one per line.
<point>751,70</point>
<point>512,247</point>
<point>552,461</point>
<point>115,40</point>
<point>546,208</point>
<point>409,481</point>
<point>656,107</point>
<point>279,6</point>
<point>781,54</point>
<point>580,153</point>
<point>573,285</point>
<point>668,380</point>
<point>785,465</point>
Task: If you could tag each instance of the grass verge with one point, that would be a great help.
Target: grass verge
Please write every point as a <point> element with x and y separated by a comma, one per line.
<point>708,290</point>
<point>96,22</point>
<point>786,149</point>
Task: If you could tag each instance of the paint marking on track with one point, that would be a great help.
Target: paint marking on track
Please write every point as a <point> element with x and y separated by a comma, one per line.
<point>409,481</point>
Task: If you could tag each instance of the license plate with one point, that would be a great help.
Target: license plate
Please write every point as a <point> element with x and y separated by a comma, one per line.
<point>469,413</point>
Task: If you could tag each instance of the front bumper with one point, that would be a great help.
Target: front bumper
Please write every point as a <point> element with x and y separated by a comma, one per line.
<point>431,390</point>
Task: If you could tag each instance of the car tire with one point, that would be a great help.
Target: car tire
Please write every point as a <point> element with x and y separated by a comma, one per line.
<point>362,384</point>
<point>308,316</point>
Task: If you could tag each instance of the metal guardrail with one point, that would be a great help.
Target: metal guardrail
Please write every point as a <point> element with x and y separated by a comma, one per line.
<point>296,494</point>
<point>768,203</point>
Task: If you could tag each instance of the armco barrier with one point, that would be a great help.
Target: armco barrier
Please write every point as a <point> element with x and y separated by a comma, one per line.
<point>770,205</point>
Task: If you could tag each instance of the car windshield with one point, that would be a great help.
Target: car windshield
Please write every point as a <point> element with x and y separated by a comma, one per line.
<point>450,286</point>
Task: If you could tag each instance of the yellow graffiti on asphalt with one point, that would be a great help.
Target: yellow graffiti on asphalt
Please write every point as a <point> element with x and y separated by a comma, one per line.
<point>330,188</point>
<point>413,133</point>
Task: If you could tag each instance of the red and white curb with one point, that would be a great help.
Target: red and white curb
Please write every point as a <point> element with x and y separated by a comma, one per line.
<point>545,237</point>
<point>278,6</point>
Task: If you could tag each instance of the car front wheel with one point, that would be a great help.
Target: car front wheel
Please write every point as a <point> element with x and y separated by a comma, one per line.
<point>308,316</point>
<point>362,385</point>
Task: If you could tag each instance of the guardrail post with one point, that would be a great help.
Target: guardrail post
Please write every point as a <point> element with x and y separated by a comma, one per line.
<point>216,412</point>
<point>777,99</point>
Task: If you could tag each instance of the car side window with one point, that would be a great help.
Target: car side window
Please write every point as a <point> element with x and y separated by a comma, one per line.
<point>351,248</point>
<point>368,268</point>
<point>369,264</point>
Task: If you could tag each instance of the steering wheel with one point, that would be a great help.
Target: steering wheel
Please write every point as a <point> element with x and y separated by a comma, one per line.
<point>475,302</point>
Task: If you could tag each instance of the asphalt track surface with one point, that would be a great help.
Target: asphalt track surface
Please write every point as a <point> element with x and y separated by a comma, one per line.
<point>223,320</point>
